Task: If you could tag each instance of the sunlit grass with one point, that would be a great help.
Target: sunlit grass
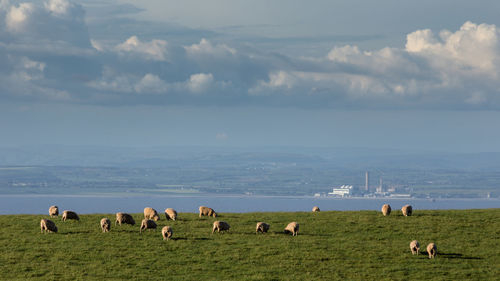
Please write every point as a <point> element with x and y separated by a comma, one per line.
<point>360,245</point>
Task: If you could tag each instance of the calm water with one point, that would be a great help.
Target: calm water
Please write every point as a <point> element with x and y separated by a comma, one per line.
<point>39,204</point>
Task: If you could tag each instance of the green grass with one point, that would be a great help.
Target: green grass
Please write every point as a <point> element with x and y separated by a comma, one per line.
<point>361,245</point>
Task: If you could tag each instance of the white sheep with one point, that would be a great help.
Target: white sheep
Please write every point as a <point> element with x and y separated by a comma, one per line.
<point>147,224</point>
<point>432,250</point>
<point>170,214</point>
<point>53,211</point>
<point>407,210</point>
<point>70,215</point>
<point>292,228</point>
<point>261,227</point>
<point>206,211</point>
<point>414,247</point>
<point>105,224</point>
<point>220,226</point>
<point>47,226</point>
<point>151,214</point>
<point>386,209</point>
<point>167,232</point>
<point>124,218</point>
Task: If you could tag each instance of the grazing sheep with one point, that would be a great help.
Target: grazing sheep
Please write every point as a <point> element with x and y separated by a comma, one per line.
<point>70,215</point>
<point>124,218</point>
<point>407,210</point>
<point>414,247</point>
<point>53,211</point>
<point>206,211</point>
<point>171,214</point>
<point>151,214</point>
<point>386,209</point>
<point>261,227</point>
<point>432,250</point>
<point>166,232</point>
<point>147,224</point>
<point>315,209</point>
<point>47,225</point>
<point>292,228</point>
<point>220,226</point>
<point>105,224</point>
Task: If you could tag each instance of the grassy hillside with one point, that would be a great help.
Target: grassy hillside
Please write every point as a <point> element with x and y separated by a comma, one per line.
<point>360,245</point>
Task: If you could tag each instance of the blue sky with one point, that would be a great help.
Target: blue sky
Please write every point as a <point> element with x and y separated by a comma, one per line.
<point>384,74</point>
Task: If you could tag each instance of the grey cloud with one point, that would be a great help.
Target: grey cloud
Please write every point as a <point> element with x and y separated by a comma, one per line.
<point>49,56</point>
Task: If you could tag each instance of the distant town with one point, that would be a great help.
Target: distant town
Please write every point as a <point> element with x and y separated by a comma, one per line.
<point>188,171</point>
<point>379,191</point>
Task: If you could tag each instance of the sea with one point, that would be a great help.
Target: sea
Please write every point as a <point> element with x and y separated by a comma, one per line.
<point>89,204</point>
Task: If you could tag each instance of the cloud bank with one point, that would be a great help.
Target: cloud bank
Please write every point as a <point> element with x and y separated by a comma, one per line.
<point>48,55</point>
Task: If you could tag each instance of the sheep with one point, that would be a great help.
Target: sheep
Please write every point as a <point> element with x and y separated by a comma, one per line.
<point>414,247</point>
<point>105,224</point>
<point>261,227</point>
<point>151,214</point>
<point>124,218</point>
<point>170,214</point>
<point>407,210</point>
<point>53,211</point>
<point>220,226</point>
<point>386,209</point>
<point>432,250</point>
<point>147,224</point>
<point>292,228</point>
<point>47,225</point>
<point>206,211</point>
<point>315,209</point>
<point>70,215</point>
<point>166,232</point>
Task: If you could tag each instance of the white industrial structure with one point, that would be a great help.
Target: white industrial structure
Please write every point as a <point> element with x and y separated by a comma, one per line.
<point>344,190</point>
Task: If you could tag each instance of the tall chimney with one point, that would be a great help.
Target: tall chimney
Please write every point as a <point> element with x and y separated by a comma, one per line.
<point>367,179</point>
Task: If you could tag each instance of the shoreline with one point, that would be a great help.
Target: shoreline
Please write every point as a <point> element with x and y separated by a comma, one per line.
<point>209,195</point>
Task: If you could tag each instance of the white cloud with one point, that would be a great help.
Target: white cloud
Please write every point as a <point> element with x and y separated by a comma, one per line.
<point>151,84</point>
<point>30,64</point>
<point>17,17</point>
<point>115,82</point>
<point>112,81</point>
<point>343,54</point>
<point>153,50</point>
<point>279,81</point>
<point>459,69</point>
<point>96,45</point>
<point>473,48</point>
<point>206,48</point>
<point>200,82</point>
<point>58,7</point>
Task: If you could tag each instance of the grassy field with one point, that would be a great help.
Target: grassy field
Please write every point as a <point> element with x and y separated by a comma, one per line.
<point>361,245</point>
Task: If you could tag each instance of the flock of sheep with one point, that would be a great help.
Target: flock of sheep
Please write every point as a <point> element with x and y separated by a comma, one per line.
<point>414,245</point>
<point>151,216</point>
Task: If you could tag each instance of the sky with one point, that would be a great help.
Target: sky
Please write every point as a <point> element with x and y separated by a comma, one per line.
<point>399,74</point>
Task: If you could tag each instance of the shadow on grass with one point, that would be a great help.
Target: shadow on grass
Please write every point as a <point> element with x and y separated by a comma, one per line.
<point>77,232</point>
<point>455,256</point>
<point>287,233</point>
<point>185,238</point>
<point>178,238</point>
